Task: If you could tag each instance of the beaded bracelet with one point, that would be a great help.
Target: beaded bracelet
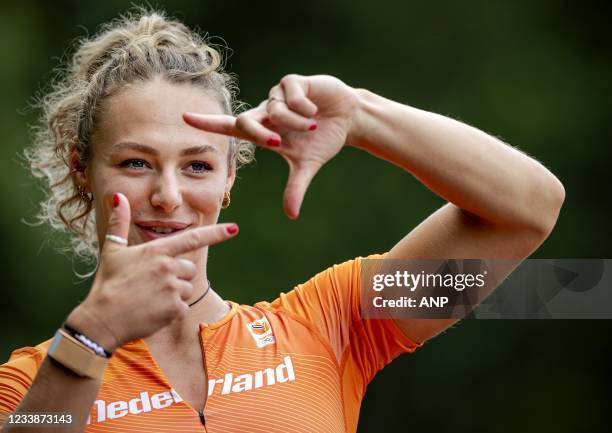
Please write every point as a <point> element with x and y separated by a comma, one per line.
<point>98,350</point>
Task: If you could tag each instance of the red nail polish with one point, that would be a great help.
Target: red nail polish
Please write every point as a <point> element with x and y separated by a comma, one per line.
<point>116,200</point>
<point>233,229</point>
<point>274,142</point>
<point>313,126</point>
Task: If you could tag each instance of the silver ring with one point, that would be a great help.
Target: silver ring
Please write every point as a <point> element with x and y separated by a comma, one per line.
<point>272,98</point>
<point>117,239</point>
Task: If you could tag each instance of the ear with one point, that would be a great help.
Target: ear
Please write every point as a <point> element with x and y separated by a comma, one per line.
<point>77,169</point>
<point>231,176</point>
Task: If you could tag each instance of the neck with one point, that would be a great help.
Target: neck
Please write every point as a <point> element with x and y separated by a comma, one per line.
<point>210,309</point>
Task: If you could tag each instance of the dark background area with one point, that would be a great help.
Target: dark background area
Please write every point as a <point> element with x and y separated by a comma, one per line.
<point>536,74</point>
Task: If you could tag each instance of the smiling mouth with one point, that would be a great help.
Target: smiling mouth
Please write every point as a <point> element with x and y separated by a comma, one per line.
<point>153,231</point>
<point>163,230</point>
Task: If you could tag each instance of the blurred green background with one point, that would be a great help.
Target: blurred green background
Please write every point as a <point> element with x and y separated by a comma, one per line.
<point>536,74</point>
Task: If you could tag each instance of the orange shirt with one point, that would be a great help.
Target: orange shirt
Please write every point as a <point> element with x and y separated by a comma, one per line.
<point>298,364</point>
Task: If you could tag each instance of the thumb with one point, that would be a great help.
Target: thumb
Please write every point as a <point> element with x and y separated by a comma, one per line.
<point>118,222</point>
<point>300,177</point>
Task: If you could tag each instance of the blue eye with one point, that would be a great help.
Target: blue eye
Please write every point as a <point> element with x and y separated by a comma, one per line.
<point>134,163</point>
<point>200,167</point>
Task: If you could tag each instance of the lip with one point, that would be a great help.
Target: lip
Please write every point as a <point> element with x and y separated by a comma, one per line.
<point>150,234</point>
<point>171,224</point>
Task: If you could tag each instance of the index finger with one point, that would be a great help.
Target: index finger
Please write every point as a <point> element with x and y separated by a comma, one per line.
<point>193,239</point>
<point>218,123</point>
<point>247,126</point>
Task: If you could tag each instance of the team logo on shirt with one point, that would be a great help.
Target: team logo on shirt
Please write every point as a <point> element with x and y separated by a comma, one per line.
<point>261,331</point>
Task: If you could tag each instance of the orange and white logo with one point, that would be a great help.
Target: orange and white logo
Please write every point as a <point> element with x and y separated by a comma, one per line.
<point>261,331</point>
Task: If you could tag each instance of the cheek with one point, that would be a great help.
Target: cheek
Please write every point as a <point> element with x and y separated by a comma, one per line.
<point>204,198</point>
<point>136,193</point>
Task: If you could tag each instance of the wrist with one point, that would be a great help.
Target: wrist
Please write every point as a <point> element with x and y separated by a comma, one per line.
<point>76,357</point>
<point>356,131</point>
<point>364,123</point>
<point>382,127</point>
<point>88,324</point>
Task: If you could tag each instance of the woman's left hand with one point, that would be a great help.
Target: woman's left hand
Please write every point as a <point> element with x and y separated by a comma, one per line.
<point>307,120</point>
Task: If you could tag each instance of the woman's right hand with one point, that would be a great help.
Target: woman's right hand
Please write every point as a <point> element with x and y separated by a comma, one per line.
<point>142,288</point>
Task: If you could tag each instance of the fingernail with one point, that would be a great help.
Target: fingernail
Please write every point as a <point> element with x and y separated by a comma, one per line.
<point>232,229</point>
<point>313,126</point>
<point>273,141</point>
<point>116,200</point>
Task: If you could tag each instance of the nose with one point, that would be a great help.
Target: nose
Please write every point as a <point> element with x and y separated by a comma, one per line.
<point>166,194</point>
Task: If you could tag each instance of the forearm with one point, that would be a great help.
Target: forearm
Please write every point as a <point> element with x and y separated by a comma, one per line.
<point>462,164</point>
<point>56,389</point>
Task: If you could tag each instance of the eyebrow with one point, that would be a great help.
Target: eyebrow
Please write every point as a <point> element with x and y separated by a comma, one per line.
<point>152,151</point>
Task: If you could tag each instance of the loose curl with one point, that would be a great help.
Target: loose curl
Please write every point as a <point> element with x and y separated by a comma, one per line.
<point>134,48</point>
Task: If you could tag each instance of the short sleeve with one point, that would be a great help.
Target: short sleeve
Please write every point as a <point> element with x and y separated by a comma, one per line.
<point>16,377</point>
<point>331,303</point>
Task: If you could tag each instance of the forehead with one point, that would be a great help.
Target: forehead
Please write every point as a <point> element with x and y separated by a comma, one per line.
<point>151,113</point>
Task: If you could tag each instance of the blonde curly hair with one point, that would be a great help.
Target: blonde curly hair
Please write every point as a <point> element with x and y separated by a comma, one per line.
<point>136,47</point>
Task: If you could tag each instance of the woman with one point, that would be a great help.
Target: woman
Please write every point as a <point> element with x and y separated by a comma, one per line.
<point>136,154</point>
